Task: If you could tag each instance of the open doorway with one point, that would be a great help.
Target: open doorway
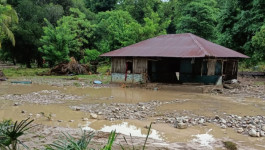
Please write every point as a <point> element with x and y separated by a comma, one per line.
<point>164,70</point>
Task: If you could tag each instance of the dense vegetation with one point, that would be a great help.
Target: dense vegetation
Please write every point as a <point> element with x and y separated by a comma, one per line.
<point>46,32</point>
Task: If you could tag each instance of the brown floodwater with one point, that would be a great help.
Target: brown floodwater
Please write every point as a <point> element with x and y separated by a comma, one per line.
<point>200,104</point>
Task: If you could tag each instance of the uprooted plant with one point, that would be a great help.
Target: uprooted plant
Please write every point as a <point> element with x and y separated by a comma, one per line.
<point>10,132</point>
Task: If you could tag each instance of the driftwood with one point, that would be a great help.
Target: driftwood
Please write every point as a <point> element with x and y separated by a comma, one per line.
<point>2,76</point>
<point>73,67</point>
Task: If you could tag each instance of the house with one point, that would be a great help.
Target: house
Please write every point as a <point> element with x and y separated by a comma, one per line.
<point>174,58</point>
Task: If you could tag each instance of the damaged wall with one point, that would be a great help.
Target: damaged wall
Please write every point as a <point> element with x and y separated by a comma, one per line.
<point>131,78</point>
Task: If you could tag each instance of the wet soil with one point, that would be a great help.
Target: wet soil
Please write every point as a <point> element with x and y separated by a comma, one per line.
<point>60,98</point>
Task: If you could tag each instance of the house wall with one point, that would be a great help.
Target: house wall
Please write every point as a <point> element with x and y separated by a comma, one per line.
<point>199,70</point>
<point>137,75</point>
<point>207,71</point>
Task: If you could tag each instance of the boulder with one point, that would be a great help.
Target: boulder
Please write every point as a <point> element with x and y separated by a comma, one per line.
<point>93,116</point>
<point>180,125</point>
<point>252,132</point>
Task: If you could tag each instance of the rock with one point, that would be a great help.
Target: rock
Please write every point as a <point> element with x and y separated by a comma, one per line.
<point>71,120</point>
<point>223,126</point>
<point>222,121</point>
<point>38,115</point>
<point>30,114</point>
<point>252,132</point>
<point>23,111</point>
<point>240,130</point>
<point>263,128</point>
<point>93,116</point>
<point>201,121</point>
<point>16,104</point>
<point>85,119</point>
<point>262,133</point>
<point>100,113</point>
<point>180,125</point>
<point>59,120</point>
<point>77,108</point>
<point>217,117</point>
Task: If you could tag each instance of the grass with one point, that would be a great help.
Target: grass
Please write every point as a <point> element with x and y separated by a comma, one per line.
<point>20,72</point>
<point>243,66</point>
<point>33,72</point>
<point>230,145</point>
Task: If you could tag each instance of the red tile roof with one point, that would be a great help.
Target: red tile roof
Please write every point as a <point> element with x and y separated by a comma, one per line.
<point>175,45</point>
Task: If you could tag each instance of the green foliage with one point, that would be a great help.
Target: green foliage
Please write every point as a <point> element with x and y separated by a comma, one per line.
<point>9,133</point>
<point>81,29</point>
<point>20,72</point>
<point>199,18</point>
<point>90,55</point>
<point>106,25</point>
<point>56,43</point>
<point>101,5</point>
<point>8,16</point>
<point>230,145</point>
<point>111,140</point>
<point>67,142</point>
<point>258,42</point>
<point>116,29</point>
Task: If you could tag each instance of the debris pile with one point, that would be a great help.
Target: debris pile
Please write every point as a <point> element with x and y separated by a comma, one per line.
<point>73,67</point>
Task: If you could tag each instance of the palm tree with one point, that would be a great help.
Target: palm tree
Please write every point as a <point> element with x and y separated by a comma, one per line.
<point>7,16</point>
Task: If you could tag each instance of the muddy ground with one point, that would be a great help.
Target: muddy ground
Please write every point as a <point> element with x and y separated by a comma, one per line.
<point>180,120</point>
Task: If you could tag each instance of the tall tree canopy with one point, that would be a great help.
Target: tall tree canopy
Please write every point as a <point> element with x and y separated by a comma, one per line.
<point>199,17</point>
<point>99,26</point>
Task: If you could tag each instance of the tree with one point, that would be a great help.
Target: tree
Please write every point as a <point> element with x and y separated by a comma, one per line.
<point>239,21</point>
<point>153,27</point>
<point>56,43</point>
<point>101,5</point>
<point>199,17</point>
<point>258,42</point>
<point>8,16</point>
<point>116,29</point>
<point>83,30</point>
<point>139,9</point>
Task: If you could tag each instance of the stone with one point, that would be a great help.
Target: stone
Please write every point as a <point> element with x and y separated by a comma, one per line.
<point>23,111</point>
<point>38,115</point>
<point>85,119</point>
<point>252,132</point>
<point>93,116</point>
<point>71,120</point>
<point>30,114</point>
<point>263,128</point>
<point>240,130</point>
<point>180,125</point>
<point>77,109</point>
<point>59,120</point>
<point>201,121</point>
<point>100,113</point>
<point>262,133</point>
<point>16,104</point>
<point>223,126</point>
<point>222,121</point>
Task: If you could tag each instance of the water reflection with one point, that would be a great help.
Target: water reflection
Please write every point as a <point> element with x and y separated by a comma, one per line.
<point>126,129</point>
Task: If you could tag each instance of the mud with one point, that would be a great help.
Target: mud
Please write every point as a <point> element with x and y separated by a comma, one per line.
<point>159,106</point>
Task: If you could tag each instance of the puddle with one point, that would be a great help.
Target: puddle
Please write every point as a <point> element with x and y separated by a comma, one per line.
<point>204,140</point>
<point>127,129</point>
